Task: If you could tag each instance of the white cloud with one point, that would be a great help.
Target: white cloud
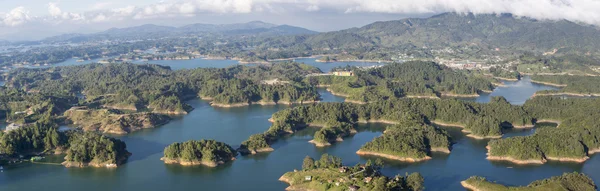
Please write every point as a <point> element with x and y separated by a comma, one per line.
<point>15,17</point>
<point>57,14</point>
<point>587,11</point>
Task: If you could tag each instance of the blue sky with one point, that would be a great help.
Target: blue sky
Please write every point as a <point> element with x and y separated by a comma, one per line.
<point>34,19</point>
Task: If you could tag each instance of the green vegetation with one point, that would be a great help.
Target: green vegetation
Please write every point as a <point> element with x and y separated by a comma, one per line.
<point>414,78</point>
<point>141,87</point>
<point>564,62</point>
<point>566,182</point>
<point>574,85</point>
<point>82,149</point>
<point>92,149</point>
<point>203,152</point>
<point>408,142</point>
<point>483,120</point>
<point>113,121</point>
<point>575,139</point>
<point>328,173</point>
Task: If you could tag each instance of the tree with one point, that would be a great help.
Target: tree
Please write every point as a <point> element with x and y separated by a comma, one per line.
<point>308,163</point>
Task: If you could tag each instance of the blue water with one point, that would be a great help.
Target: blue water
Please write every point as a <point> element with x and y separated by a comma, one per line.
<point>515,92</point>
<point>144,170</point>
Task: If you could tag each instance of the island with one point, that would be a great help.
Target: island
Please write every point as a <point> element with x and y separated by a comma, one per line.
<point>570,85</point>
<point>328,173</point>
<point>397,80</point>
<point>82,149</point>
<point>209,153</point>
<point>408,142</point>
<point>337,120</point>
<point>567,181</point>
<point>574,141</point>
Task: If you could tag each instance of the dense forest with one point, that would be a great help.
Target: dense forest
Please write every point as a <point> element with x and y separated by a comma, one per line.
<point>571,85</point>
<point>136,87</point>
<point>414,78</point>
<point>408,142</point>
<point>480,120</point>
<point>81,148</point>
<point>574,140</point>
<point>202,152</point>
<point>567,181</point>
<point>328,173</point>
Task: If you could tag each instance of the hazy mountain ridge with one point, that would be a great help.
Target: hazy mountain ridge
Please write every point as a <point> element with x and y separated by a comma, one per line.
<point>149,31</point>
<point>448,29</point>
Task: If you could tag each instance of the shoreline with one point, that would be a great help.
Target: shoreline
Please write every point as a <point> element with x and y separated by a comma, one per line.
<point>468,186</point>
<point>317,144</point>
<point>534,161</point>
<point>567,94</point>
<point>447,124</point>
<point>440,150</point>
<point>460,95</point>
<point>71,164</point>
<point>377,121</point>
<point>263,103</point>
<point>337,94</point>
<point>256,151</point>
<point>422,97</point>
<point>507,79</point>
<point>193,163</point>
<point>392,157</point>
<point>548,83</point>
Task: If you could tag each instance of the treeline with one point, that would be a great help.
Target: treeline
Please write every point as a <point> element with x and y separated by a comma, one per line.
<point>574,140</point>
<point>328,173</point>
<point>413,78</point>
<point>567,181</point>
<point>573,84</point>
<point>409,141</point>
<point>209,152</point>
<point>81,148</point>
<point>482,120</point>
<point>152,86</point>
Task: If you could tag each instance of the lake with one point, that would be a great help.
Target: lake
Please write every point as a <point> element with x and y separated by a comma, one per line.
<point>515,92</point>
<point>144,170</point>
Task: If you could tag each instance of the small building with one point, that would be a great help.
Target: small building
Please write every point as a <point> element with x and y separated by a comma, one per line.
<point>368,179</point>
<point>308,178</point>
<point>343,73</point>
<point>343,169</point>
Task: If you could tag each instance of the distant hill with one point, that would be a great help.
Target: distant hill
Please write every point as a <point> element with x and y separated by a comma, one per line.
<point>149,31</point>
<point>487,31</point>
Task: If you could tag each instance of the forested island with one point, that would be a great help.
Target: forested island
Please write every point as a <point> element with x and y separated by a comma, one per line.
<point>81,148</point>
<point>565,182</point>
<point>408,142</point>
<point>328,173</point>
<point>413,79</point>
<point>209,153</point>
<point>121,98</point>
<point>337,119</point>
<point>570,85</point>
<point>576,138</point>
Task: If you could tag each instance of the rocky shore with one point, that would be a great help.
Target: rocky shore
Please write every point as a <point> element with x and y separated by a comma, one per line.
<point>392,157</point>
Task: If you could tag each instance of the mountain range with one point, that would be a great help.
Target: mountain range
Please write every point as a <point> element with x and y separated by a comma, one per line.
<point>487,31</point>
<point>151,31</point>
